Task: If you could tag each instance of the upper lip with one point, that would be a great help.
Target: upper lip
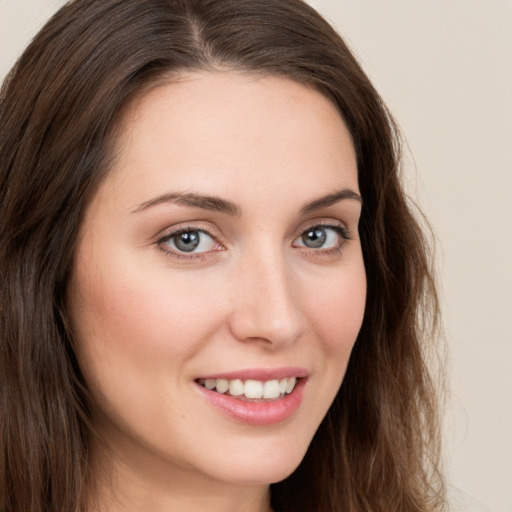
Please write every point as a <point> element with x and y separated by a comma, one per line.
<point>262,374</point>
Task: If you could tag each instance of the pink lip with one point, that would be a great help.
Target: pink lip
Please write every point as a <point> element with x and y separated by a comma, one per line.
<point>262,413</point>
<point>260,374</point>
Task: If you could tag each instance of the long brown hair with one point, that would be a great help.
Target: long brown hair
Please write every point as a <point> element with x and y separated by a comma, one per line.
<point>377,449</point>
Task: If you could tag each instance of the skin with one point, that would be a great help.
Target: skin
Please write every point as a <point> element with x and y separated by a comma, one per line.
<point>150,320</point>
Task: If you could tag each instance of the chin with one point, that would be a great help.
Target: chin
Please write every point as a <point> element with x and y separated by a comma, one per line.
<point>260,467</point>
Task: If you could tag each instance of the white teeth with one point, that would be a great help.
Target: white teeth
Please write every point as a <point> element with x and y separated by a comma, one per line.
<point>291,384</point>
<point>222,385</point>
<point>236,387</point>
<point>210,383</point>
<point>252,389</point>
<point>271,389</point>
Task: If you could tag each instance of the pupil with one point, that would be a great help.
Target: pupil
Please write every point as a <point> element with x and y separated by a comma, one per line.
<point>315,238</point>
<point>187,241</point>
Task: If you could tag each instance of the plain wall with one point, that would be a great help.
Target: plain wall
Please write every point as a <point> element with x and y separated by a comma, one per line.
<point>445,70</point>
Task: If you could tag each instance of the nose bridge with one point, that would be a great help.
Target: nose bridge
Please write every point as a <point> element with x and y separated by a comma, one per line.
<point>265,307</point>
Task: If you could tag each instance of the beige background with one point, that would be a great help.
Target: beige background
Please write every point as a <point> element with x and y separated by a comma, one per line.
<point>445,70</point>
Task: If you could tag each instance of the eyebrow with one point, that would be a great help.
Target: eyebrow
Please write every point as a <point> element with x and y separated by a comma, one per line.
<point>224,206</point>
<point>195,201</point>
<point>330,199</point>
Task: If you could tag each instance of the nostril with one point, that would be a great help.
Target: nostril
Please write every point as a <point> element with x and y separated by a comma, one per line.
<point>265,307</point>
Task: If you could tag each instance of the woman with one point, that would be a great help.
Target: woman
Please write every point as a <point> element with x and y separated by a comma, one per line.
<point>213,288</point>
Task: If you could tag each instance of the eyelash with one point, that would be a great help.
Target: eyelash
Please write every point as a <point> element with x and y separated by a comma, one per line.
<point>341,230</point>
<point>161,242</point>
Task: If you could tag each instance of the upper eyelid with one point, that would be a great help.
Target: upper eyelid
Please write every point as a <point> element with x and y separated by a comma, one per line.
<point>328,223</point>
<point>169,232</point>
<point>172,234</point>
<point>324,222</point>
<point>179,231</point>
<point>341,229</point>
<point>323,219</point>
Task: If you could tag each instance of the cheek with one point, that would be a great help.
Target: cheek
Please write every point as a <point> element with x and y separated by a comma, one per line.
<point>335,314</point>
<point>135,336</point>
<point>131,313</point>
<point>337,310</point>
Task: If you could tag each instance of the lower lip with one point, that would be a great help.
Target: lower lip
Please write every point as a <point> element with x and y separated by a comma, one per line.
<point>257,413</point>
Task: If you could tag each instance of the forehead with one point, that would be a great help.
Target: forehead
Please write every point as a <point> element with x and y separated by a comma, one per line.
<point>233,132</point>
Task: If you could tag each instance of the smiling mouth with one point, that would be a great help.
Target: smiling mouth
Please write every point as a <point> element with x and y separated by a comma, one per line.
<point>251,390</point>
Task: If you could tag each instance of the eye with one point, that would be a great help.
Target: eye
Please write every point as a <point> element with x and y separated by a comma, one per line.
<point>323,237</point>
<point>189,241</point>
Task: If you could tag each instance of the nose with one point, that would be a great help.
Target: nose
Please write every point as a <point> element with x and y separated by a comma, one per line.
<point>266,305</point>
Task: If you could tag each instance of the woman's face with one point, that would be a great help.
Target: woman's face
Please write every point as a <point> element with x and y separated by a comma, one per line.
<point>221,252</point>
